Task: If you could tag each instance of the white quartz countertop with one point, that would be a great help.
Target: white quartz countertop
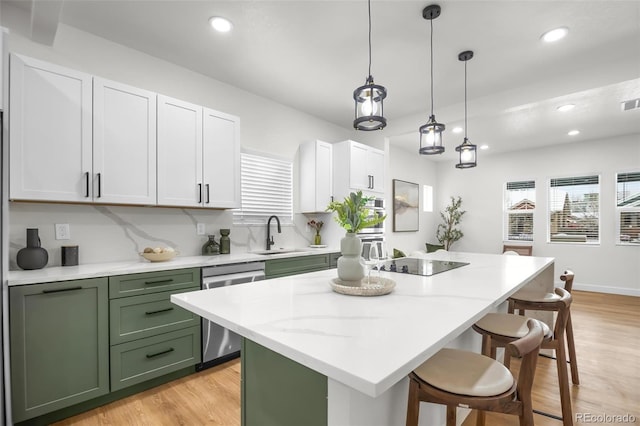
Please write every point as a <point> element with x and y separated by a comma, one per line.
<point>67,273</point>
<point>366,343</point>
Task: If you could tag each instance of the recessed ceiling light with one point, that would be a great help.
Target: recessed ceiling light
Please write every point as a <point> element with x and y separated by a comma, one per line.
<point>220,24</point>
<point>573,132</point>
<point>484,146</point>
<point>457,130</point>
<point>555,35</point>
<point>567,107</point>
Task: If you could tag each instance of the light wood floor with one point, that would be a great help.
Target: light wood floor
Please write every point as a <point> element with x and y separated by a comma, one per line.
<point>607,331</point>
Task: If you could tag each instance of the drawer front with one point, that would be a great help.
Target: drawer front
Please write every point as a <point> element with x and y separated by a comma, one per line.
<point>141,360</point>
<point>297,265</point>
<point>333,259</point>
<point>153,282</point>
<point>142,316</point>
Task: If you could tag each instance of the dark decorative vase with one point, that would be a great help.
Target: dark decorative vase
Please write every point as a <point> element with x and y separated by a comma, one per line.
<point>211,247</point>
<point>225,241</point>
<point>32,256</point>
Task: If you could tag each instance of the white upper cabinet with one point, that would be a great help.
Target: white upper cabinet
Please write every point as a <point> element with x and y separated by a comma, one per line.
<point>198,156</point>
<point>316,176</point>
<point>50,132</point>
<point>124,144</point>
<point>221,159</point>
<point>357,167</point>
<point>4,63</point>
<point>179,153</point>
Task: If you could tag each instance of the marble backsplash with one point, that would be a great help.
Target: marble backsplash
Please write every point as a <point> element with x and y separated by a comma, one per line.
<point>119,233</point>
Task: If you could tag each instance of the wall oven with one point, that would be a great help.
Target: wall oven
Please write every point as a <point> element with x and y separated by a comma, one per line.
<point>219,344</point>
<point>376,209</point>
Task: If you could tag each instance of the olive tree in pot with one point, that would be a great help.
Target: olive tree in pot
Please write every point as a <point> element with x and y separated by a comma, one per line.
<point>447,233</point>
<point>353,215</point>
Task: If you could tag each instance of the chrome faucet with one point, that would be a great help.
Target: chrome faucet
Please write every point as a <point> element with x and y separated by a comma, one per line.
<point>269,236</point>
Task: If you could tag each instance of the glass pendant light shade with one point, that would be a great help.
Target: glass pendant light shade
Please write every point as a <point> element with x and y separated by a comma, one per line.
<point>431,133</point>
<point>468,151</point>
<point>431,137</point>
<point>468,155</point>
<point>369,114</point>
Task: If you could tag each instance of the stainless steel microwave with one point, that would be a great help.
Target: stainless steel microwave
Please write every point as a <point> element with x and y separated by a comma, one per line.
<point>376,208</point>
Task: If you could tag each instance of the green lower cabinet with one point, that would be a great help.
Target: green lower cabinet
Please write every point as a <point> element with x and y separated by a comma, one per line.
<point>59,336</point>
<point>275,268</point>
<point>143,359</point>
<point>277,391</point>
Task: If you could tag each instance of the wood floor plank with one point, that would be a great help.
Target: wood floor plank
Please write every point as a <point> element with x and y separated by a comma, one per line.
<point>607,333</point>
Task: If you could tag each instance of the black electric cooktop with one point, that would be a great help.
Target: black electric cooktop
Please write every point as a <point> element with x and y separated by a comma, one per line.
<point>424,267</point>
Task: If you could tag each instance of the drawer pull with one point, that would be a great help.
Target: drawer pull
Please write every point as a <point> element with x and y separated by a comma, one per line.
<point>158,282</point>
<point>158,311</point>
<point>160,353</point>
<point>62,289</point>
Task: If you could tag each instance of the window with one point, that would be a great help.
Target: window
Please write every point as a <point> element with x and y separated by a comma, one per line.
<point>267,189</point>
<point>628,205</point>
<point>574,209</point>
<point>519,206</point>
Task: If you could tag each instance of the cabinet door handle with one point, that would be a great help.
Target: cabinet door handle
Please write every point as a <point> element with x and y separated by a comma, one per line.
<point>86,178</point>
<point>158,311</point>
<point>158,282</point>
<point>160,353</point>
<point>99,185</point>
<point>373,181</point>
<point>199,193</point>
<point>59,290</point>
<point>207,188</point>
<point>370,179</point>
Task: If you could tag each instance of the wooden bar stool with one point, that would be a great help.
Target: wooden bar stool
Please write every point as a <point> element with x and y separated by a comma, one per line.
<point>518,300</point>
<point>499,329</point>
<point>459,378</point>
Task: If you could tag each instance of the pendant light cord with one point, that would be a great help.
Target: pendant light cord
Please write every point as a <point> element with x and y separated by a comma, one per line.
<point>431,74</point>
<point>369,10</point>
<point>465,100</point>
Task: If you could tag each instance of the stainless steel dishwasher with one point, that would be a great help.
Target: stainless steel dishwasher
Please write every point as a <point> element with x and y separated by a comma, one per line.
<point>218,343</point>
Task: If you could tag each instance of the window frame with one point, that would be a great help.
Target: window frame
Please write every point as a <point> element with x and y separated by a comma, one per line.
<point>550,203</point>
<point>507,213</point>
<point>620,210</point>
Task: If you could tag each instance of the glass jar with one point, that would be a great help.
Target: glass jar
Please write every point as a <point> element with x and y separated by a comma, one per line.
<point>225,241</point>
<point>211,247</point>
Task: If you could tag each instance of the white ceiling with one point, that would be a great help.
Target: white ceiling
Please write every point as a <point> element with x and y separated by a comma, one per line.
<point>311,55</point>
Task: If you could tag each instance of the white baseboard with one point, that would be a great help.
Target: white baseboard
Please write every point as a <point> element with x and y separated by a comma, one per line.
<point>606,289</point>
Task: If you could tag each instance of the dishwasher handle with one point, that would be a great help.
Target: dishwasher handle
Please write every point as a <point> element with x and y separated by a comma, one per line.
<point>239,278</point>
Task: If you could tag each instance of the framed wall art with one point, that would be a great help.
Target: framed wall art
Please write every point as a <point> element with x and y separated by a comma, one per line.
<point>405,206</point>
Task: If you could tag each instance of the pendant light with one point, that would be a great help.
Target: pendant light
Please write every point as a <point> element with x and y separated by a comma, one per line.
<point>431,133</point>
<point>369,99</point>
<point>468,151</point>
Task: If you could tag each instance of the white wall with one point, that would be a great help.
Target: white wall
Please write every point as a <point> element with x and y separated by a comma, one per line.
<point>605,267</point>
<point>411,167</point>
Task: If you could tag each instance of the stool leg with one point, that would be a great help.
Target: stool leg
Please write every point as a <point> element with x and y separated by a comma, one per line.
<point>451,415</point>
<point>486,345</point>
<point>413,404</point>
<point>480,417</point>
<point>572,352</point>
<point>563,380</point>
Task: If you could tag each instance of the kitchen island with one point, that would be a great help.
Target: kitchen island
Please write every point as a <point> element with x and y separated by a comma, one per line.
<point>349,356</point>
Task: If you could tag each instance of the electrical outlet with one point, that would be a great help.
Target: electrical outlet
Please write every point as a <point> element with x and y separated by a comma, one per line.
<point>200,229</point>
<point>63,231</point>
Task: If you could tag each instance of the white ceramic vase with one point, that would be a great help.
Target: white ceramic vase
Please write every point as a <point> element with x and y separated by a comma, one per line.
<point>349,266</point>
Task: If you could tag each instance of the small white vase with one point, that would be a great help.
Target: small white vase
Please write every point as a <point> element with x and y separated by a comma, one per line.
<point>349,266</point>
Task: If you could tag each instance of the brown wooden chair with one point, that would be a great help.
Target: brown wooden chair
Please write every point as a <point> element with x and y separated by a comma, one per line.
<point>499,329</point>
<point>516,302</point>
<point>460,378</point>
<point>521,250</point>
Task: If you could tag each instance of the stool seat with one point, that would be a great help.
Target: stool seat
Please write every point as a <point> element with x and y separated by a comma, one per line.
<point>531,296</point>
<point>509,325</point>
<point>466,373</point>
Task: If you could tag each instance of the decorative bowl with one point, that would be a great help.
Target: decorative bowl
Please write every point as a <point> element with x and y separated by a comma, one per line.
<point>159,257</point>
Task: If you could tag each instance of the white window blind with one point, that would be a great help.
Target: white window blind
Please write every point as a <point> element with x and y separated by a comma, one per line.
<point>519,207</point>
<point>267,189</point>
<point>628,205</point>
<point>574,209</point>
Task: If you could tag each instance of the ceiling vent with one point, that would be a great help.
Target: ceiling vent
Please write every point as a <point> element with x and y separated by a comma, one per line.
<point>629,105</point>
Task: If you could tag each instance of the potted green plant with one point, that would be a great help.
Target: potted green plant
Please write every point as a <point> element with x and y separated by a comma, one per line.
<point>447,233</point>
<point>353,215</point>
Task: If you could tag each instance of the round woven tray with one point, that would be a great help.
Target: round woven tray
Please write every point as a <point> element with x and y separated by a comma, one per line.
<point>377,286</point>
